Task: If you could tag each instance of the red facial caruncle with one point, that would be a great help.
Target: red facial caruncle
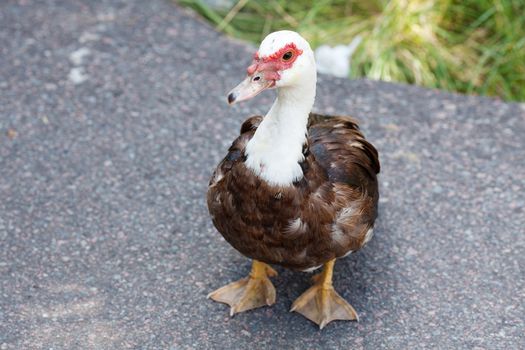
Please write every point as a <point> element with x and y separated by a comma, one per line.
<point>263,73</point>
<point>269,66</point>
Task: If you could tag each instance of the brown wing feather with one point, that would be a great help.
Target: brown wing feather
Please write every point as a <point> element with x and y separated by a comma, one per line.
<point>348,130</point>
<point>316,118</point>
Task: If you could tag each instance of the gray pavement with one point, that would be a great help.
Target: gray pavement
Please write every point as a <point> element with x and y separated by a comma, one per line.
<point>112,118</point>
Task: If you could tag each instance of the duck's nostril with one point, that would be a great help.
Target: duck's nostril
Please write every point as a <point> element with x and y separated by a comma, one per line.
<point>231,98</point>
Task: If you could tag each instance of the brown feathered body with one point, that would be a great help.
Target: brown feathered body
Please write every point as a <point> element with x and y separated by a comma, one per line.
<point>327,214</point>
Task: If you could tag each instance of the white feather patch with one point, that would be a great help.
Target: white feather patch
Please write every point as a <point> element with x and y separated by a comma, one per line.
<point>312,269</point>
<point>347,253</point>
<point>368,236</point>
<point>297,225</point>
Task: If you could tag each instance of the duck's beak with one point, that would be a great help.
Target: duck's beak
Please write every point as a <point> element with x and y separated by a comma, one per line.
<point>250,87</point>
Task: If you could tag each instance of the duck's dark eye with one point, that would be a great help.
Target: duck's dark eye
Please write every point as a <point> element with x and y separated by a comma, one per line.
<point>287,56</point>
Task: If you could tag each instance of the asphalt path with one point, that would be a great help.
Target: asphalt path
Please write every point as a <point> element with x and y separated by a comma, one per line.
<point>112,118</point>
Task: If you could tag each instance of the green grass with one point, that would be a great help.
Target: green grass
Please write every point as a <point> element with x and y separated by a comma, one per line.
<point>470,46</point>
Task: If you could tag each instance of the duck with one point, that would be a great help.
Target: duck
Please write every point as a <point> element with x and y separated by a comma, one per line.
<point>296,189</point>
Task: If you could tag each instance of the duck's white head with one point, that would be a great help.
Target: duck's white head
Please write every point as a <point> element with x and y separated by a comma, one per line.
<point>284,60</point>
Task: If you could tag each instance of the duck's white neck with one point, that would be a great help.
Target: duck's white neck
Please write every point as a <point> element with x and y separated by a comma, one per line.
<point>275,151</point>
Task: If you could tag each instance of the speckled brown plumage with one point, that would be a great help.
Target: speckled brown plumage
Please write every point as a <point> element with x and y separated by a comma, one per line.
<point>323,216</point>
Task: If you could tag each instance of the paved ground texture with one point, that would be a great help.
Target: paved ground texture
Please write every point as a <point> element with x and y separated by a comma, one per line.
<point>112,117</point>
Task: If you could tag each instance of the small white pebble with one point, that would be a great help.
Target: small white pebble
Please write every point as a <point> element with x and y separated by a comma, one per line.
<point>50,86</point>
<point>77,75</point>
<point>87,36</point>
<point>77,57</point>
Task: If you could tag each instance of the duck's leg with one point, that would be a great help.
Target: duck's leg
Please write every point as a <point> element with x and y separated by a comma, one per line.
<point>250,292</point>
<point>321,303</point>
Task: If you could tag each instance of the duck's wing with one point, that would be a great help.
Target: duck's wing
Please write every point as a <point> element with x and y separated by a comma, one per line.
<point>342,150</point>
<point>236,151</point>
<point>350,165</point>
<point>316,118</point>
